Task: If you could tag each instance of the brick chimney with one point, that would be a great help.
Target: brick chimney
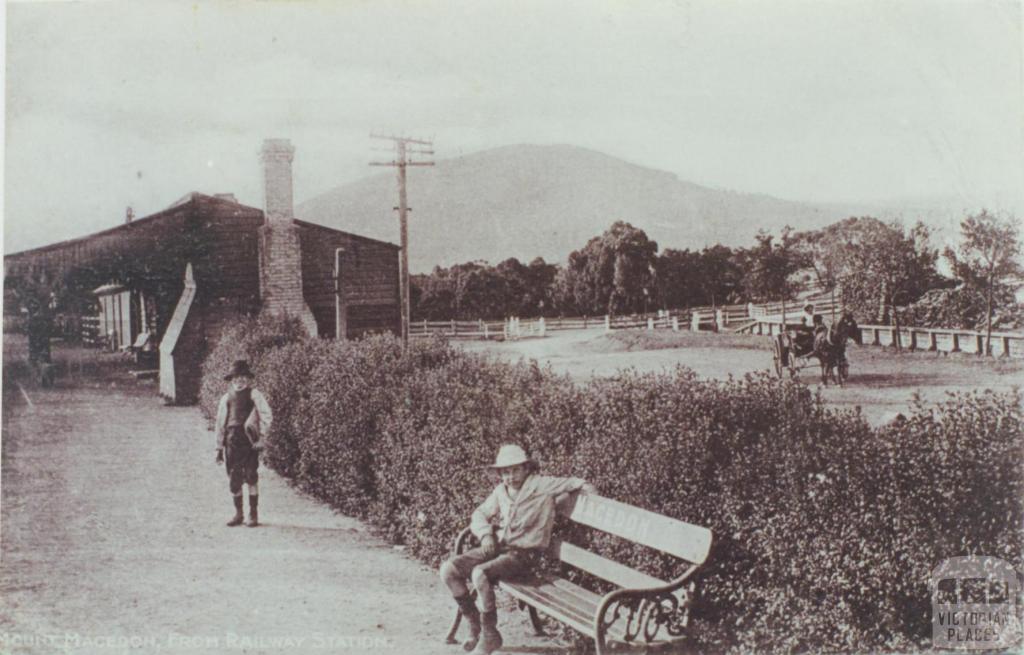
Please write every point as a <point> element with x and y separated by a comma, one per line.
<point>280,248</point>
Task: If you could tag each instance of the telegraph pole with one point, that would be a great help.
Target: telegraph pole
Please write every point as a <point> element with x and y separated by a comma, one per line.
<point>401,161</point>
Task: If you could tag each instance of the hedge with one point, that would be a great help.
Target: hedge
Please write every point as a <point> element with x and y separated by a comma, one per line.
<point>826,529</point>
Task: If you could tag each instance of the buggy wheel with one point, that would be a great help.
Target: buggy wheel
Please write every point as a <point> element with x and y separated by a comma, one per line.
<point>777,364</point>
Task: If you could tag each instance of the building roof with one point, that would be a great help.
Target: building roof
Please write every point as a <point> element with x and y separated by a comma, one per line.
<point>187,198</point>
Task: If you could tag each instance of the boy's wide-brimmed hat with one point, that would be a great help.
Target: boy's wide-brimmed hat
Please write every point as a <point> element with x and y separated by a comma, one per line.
<point>239,368</point>
<point>510,455</point>
<point>809,306</point>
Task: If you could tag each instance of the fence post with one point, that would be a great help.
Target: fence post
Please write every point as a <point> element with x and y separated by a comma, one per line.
<point>455,330</point>
<point>956,343</point>
<point>650,323</point>
<point>695,322</point>
<point>980,344</point>
<point>1006,346</point>
<point>913,339</point>
<point>584,321</point>
<point>876,337</point>
<point>607,323</point>
<point>719,320</point>
<point>933,343</point>
<point>675,323</point>
<point>486,332</point>
<point>542,327</point>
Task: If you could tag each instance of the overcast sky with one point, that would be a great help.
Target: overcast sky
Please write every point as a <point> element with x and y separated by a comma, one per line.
<point>137,103</point>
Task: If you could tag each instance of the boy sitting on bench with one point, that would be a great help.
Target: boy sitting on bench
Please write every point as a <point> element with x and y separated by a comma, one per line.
<point>524,506</point>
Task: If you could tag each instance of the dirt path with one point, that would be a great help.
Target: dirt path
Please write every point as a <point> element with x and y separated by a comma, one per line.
<point>114,541</point>
<point>881,383</point>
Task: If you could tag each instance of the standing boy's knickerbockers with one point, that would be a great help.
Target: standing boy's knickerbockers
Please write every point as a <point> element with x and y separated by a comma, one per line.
<point>523,505</point>
<point>243,420</point>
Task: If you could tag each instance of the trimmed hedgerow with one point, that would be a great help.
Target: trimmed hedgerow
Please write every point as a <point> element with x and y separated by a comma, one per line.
<point>826,529</point>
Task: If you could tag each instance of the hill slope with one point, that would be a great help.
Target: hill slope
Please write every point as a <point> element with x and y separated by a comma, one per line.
<point>526,201</point>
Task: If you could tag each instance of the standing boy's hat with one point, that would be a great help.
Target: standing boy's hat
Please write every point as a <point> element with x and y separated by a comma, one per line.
<point>510,455</point>
<point>239,368</point>
<point>809,306</point>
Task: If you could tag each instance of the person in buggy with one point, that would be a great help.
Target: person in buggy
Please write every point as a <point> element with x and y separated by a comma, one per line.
<point>804,334</point>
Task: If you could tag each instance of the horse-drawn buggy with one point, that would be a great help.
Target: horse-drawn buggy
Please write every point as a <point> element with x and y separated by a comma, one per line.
<point>797,345</point>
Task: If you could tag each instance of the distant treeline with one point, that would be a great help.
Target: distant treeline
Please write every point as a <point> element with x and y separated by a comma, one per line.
<point>876,266</point>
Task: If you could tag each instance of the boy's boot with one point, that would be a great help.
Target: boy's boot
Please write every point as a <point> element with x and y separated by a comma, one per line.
<point>237,519</point>
<point>490,638</point>
<point>254,502</point>
<point>472,616</point>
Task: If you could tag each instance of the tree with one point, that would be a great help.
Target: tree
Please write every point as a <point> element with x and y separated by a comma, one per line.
<point>611,273</point>
<point>988,255</point>
<point>436,300</point>
<point>769,267</point>
<point>721,279</point>
<point>540,278</point>
<point>480,292</point>
<point>35,293</point>
<point>883,264</point>
<point>679,278</point>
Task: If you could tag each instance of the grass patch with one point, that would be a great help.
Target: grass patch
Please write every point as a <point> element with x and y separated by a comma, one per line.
<point>634,340</point>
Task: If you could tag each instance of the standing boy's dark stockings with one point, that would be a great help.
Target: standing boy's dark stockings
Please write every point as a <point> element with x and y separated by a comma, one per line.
<point>254,501</point>
<point>238,518</point>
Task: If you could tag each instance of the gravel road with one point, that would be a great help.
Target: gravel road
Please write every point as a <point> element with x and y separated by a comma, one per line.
<point>114,541</point>
<point>882,383</point>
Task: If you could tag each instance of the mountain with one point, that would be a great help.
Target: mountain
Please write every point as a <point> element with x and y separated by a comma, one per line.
<point>526,201</point>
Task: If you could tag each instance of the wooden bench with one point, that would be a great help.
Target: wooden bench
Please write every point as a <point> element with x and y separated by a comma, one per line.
<point>643,610</point>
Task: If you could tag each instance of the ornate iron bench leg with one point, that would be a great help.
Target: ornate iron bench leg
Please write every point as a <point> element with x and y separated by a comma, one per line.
<point>600,648</point>
<point>450,639</point>
<point>538,627</point>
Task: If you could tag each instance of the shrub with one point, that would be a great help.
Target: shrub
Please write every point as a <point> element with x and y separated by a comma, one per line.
<point>826,529</point>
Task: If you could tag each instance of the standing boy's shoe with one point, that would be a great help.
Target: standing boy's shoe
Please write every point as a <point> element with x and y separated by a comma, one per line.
<point>490,638</point>
<point>253,511</point>
<point>237,519</point>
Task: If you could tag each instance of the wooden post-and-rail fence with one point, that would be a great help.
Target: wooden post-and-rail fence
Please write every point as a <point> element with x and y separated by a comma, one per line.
<point>748,319</point>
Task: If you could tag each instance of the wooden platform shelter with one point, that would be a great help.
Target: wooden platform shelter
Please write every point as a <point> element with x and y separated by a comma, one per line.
<point>189,270</point>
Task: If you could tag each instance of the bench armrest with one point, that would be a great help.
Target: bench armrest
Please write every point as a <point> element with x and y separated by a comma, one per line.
<point>462,541</point>
<point>647,611</point>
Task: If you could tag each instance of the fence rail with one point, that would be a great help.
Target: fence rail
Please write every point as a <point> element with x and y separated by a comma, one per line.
<point>749,319</point>
<point>945,340</point>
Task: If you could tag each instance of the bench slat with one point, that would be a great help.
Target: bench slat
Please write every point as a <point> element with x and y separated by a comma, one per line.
<point>604,568</point>
<point>557,604</point>
<point>672,536</point>
<point>585,595</point>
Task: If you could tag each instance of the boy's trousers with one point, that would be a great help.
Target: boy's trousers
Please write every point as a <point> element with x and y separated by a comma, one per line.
<point>241,460</point>
<point>485,571</point>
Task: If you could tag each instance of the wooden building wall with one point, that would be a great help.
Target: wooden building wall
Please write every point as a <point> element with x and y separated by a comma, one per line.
<point>369,280</point>
<point>220,238</point>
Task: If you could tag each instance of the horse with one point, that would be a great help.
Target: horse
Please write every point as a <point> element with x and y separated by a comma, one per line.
<point>830,347</point>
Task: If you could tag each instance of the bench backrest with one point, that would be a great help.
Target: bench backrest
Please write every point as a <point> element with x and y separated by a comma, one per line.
<point>678,538</point>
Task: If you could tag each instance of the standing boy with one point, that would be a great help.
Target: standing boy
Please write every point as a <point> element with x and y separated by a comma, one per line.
<point>523,506</point>
<point>243,418</point>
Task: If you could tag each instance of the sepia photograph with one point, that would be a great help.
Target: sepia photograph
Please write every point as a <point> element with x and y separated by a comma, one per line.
<point>566,328</point>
